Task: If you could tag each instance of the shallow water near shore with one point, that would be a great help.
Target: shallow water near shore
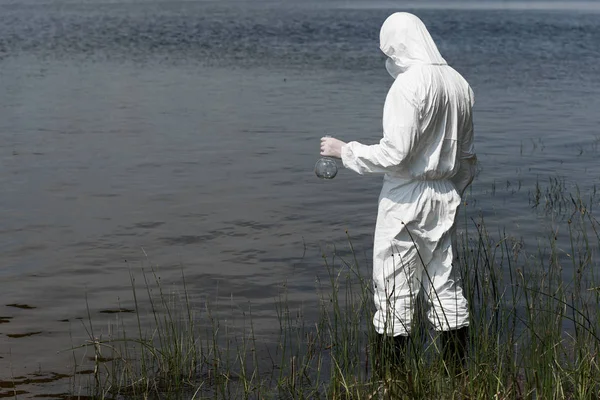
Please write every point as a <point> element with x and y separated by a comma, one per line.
<point>183,135</point>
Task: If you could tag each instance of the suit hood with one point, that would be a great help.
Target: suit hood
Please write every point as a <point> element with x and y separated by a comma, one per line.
<point>407,42</point>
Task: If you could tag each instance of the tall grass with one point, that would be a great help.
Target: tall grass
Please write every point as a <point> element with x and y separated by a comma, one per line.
<point>534,333</point>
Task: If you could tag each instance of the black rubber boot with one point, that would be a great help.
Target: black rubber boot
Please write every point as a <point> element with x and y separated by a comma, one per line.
<point>401,344</point>
<point>390,352</point>
<point>390,365</point>
<point>454,349</point>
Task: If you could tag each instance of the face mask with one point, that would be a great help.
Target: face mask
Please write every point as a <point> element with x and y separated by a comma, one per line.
<point>393,69</point>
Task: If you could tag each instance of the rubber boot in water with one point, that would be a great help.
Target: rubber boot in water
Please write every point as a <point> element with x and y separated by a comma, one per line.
<point>401,351</point>
<point>389,352</point>
<point>454,349</point>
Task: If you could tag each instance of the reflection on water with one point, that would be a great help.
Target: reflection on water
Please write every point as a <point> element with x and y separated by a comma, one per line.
<point>184,136</point>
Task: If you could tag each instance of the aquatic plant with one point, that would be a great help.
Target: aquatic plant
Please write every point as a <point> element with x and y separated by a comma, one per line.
<point>534,332</point>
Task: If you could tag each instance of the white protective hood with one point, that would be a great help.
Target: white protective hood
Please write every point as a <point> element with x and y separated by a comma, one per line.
<point>406,41</point>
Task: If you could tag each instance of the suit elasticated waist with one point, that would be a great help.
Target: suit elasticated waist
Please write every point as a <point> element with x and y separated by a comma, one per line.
<point>420,178</point>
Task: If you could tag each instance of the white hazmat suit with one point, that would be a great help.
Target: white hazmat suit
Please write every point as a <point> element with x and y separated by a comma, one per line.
<point>427,156</point>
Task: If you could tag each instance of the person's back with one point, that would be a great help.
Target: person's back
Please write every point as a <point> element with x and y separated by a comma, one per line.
<point>443,100</point>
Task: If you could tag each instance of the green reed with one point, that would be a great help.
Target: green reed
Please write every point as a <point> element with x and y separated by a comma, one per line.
<point>534,333</point>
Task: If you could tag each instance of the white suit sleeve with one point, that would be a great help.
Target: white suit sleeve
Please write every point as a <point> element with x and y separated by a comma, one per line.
<point>468,159</point>
<point>466,171</point>
<point>400,135</point>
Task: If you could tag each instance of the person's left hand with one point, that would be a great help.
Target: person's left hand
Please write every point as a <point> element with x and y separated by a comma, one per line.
<point>331,147</point>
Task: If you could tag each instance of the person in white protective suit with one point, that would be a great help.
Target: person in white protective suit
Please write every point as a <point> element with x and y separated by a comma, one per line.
<point>427,158</point>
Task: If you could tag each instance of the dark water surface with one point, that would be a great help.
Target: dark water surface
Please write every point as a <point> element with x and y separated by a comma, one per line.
<point>183,135</point>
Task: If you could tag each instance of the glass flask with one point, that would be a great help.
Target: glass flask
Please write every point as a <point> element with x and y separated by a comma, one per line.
<point>326,168</point>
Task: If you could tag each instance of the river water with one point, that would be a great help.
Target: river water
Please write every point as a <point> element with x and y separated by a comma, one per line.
<point>182,135</point>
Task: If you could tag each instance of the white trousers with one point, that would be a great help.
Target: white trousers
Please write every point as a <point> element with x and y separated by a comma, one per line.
<point>413,252</point>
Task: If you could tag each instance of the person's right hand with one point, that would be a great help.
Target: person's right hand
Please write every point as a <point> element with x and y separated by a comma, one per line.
<point>331,147</point>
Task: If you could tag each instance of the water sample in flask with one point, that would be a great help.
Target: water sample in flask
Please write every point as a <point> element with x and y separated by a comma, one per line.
<point>326,168</point>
